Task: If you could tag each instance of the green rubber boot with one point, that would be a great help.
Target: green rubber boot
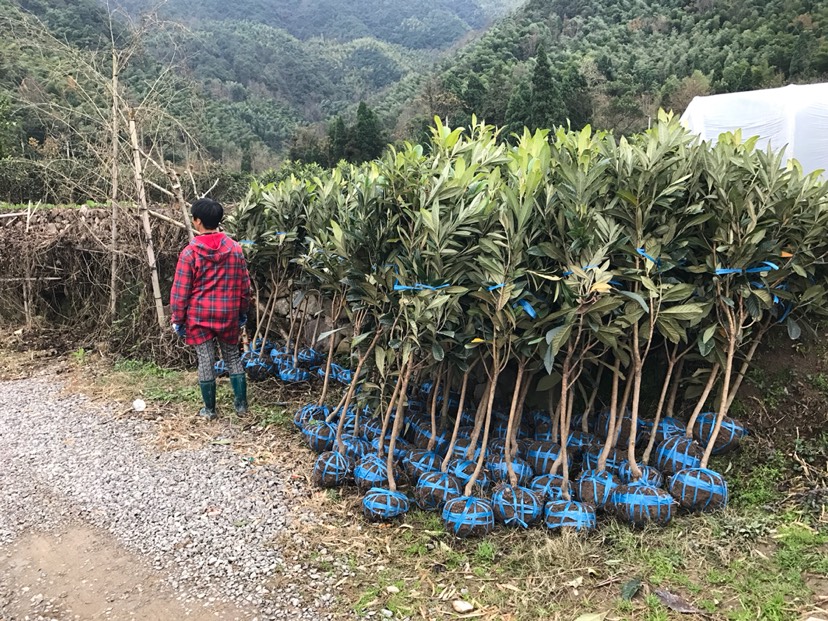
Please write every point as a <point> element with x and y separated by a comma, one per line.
<point>208,394</point>
<point>239,384</point>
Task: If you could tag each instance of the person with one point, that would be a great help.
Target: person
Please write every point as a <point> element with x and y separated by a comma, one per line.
<point>209,302</point>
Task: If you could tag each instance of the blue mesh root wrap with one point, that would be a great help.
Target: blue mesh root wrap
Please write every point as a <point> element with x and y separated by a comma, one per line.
<point>372,429</point>
<point>371,471</point>
<point>309,357</point>
<point>436,488</point>
<point>331,469</point>
<point>462,446</point>
<point>463,470</point>
<point>320,437</point>
<point>678,453</point>
<point>596,488</point>
<point>568,514</point>
<point>545,433</point>
<point>401,447</point>
<point>423,439</point>
<point>517,506</point>
<point>355,448</point>
<point>668,427</point>
<point>593,455</point>
<point>466,516</point>
<point>500,430</point>
<point>418,462</point>
<point>730,433</point>
<point>649,475</point>
<point>293,375</point>
<point>699,489</point>
<point>383,504</point>
<point>541,456</point>
<point>640,504</point>
<point>309,413</point>
<point>495,448</point>
<point>549,486</point>
<point>578,440</point>
<point>500,471</point>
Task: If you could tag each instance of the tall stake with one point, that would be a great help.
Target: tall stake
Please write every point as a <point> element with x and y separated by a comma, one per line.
<point>144,207</point>
<point>113,195</point>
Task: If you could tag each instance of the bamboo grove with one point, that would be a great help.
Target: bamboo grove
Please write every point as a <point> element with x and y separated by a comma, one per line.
<point>536,329</point>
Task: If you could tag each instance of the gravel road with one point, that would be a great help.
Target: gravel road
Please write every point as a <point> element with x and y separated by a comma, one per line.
<point>206,522</point>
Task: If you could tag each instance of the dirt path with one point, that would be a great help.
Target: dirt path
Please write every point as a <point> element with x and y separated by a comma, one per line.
<point>84,573</point>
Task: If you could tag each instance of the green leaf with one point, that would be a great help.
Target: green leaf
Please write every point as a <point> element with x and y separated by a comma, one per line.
<point>630,589</point>
<point>548,382</point>
<point>794,329</point>
<point>637,298</point>
<point>437,352</point>
<point>684,312</point>
<point>708,334</point>
<point>379,354</point>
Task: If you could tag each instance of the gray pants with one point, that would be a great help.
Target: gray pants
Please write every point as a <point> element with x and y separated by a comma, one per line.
<point>206,353</point>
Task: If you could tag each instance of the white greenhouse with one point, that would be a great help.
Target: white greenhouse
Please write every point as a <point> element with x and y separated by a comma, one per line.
<point>794,117</point>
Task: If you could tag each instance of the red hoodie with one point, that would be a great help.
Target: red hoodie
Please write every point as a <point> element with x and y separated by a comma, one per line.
<point>211,289</point>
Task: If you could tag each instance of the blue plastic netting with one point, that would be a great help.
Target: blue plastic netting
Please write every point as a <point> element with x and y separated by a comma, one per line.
<point>382,504</point>
<point>221,368</point>
<point>434,489</point>
<point>596,488</point>
<point>401,447</point>
<point>420,461</point>
<point>593,454</point>
<point>468,516</point>
<point>541,456</point>
<point>678,453</point>
<point>463,470</point>
<point>550,486</point>
<point>699,489</point>
<point>668,427</point>
<point>293,375</point>
<point>579,441</point>
<point>331,469</point>
<point>355,448</point>
<point>371,428</point>
<point>500,471</point>
<point>730,433</point>
<point>371,471</point>
<point>462,446</point>
<point>642,504</point>
<point>310,412</point>
<point>517,506</point>
<point>569,514</point>
<point>309,357</point>
<point>320,436</point>
<point>649,475</point>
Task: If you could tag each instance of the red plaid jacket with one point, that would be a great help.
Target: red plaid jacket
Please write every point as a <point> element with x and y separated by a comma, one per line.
<point>211,289</point>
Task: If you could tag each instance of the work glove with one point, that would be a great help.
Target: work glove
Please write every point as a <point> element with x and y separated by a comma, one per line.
<point>179,330</point>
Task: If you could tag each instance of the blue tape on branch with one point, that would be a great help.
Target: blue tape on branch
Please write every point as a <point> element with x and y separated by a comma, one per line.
<point>469,516</point>
<point>517,506</point>
<point>650,258</point>
<point>526,306</point>
<point>699,489</point>
<point>585,268</point>
<point>382,504</point>
<point>569,514</point>
<point>496,287</point>
<point>247,242</point>
<point>331,469</point>
<point>764,266</point>
<point>419,287</point>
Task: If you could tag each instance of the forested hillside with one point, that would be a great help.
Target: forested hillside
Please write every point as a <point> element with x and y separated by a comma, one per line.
<point>614,62</point>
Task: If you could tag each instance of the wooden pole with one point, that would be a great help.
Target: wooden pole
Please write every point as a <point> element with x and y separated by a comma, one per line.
<point>144,208</point>
<point>113,195</point>
<point>179,198</point>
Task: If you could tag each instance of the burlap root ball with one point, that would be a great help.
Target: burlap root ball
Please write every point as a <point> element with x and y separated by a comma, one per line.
<point>641,505</point>
<point>595,488</point>
<point>517,506</point>
<point>468,516</point>
<point>500,471</point>
<point>541,456</point>
<point>320,436</point>
<point>331,469</point>
<point>729,437</point>
<point>420,461</point>
<point>371,471</point>
<point>550,486</point>
<point>434,489</point>
<point>699,489</point>
<point>569,514</point>
<point>649,475</point>
<point>382,505</point>
<point>678,453</point>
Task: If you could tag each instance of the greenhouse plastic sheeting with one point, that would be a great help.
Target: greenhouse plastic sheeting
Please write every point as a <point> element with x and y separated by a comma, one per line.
<point>794,117</point>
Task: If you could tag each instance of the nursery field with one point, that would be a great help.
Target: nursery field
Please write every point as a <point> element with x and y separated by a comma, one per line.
<point>764,557</point>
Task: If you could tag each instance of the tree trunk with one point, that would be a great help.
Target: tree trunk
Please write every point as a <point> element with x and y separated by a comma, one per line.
<point>435,391</point>
<point>486,425</point>
<point>671,364</point>
<point>731,352</point>
<point>671,403</point>
<point>144,206</point>
<point>737,383</point>
<point>386,418</point>
<point>511,427</point>
<point>352,388</point>
<point>479,419</point>
<point>616,377</point>
<point>458,420</point>
<point>336,307</point>
<point>711,381</point>
<point>179,198</point>
<point>591,404</point>
<point>395,431</point>
<point>635,471</point>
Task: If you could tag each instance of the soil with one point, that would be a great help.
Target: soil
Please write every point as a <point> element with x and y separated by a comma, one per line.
<point>83,573</point>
